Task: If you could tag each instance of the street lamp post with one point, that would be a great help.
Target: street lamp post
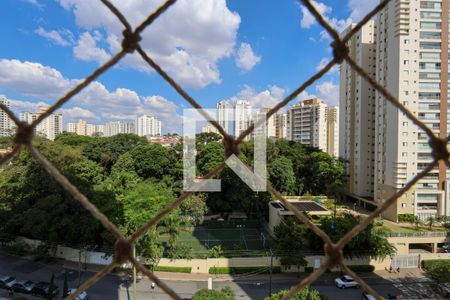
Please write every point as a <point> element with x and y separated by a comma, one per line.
<point>270,272</point>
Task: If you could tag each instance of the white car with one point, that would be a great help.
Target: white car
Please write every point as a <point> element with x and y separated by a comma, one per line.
<point>446,248</point>
<point>7,281</point>
<point>82,296</point>
<point>345,282</point>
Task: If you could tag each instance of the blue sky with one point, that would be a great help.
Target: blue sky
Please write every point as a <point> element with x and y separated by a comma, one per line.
<point>216,49</point>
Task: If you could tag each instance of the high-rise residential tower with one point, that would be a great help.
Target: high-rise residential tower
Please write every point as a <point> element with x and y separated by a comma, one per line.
<point>357,113</point>
<point>281,126</point>
<point>412,63</point>
<point>242,117</point>
<point>223,114</point>
<point>148,126</point>
<point>410,39</point>
<point>332,115</point>
<point>307,123</point>
<point>49,128</point>
<point>5,121</point>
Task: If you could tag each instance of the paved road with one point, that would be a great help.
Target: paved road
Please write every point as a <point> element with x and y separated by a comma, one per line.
<point>111,287</point>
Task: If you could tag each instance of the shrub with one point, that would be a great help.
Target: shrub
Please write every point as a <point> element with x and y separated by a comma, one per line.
<point>42,253</point>
<point>438,269</point>
<point>243,270</point>
<point>362,268</point>
<point>19,248</point>
<point>173,269</point>
<point>205,294</point>
<point>406,218</point>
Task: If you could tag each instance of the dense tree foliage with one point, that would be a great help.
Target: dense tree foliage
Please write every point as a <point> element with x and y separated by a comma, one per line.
<point>370,241</point>
<point>130,180</point>
<point>305,293</point>
<point>204,294</point>
<point>290,244</point>
<point>293,238</point>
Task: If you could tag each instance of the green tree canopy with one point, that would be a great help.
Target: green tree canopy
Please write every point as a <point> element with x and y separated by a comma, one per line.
<point>205,294</point>
<point>305,293</point>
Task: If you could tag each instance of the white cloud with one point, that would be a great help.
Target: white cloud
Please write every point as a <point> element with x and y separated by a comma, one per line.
<point>266,98</point>
<point>56,36</point>
<point>329,92</point>
<point>361,8</point>
<point>164,110</point>
<point>87,50</point>
<point>246,59</point>
<point>93,103</point>
<point>189,49</point>
<point>308,19</point>
<point>35,3</point>
<point>305,95</point>
<point>33,79</point>
<point>18,105</point>
<point>323,62</point>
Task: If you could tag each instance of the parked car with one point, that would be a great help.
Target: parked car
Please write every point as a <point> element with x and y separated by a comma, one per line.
<point>7,281</point>
<point>24,287</point>
<point>82,296</point>
<point>41,289</point>
<point>345,282</point>
<point>446,248</point>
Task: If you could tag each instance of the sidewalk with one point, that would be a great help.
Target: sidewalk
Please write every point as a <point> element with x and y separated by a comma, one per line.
<point>416,274</point>
<point>404,273</point>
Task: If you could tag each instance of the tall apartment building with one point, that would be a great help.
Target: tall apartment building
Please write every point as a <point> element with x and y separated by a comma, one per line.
<point>332,116</point>
<point>307,123</point>
<point>49,128</point>
<point>411,42</point>
<point>242,117</point>
<point>71,127</point>
<point>117,127</point>
<point>281,126</point>
<point>84,128</point>
<point>209,129</point>
<point>417,33</point>
<point>148,126</point>
<point>357,113</point>
<point>222,114</point>
<point>270,126</point>
<point>5,122</point>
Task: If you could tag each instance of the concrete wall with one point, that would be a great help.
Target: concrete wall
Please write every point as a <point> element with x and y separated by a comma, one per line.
<point>71,254</point>
<point>203,265</point>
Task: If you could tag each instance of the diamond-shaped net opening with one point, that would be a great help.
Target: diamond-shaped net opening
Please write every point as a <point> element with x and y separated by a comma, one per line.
<point>124,245</point>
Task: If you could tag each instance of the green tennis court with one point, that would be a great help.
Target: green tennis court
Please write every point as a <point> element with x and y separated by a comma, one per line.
<point>234,239</point>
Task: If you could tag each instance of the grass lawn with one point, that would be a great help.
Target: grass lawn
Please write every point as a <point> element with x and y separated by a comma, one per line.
<point>232,240</point>
<point>392,227</point>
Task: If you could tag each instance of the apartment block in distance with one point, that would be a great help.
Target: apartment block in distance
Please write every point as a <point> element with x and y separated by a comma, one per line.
<point>281,126</point>
<point>223,114</point>
<point>5,121</point>
<point>84,128</point>
<point>332,116</point>
<point>148,126</point>
<point>242,117</point>
<point>357,113</point>
<point>307,123</point>
<point>411,62</point>
<point>49,128</point>
<point>270,126</point>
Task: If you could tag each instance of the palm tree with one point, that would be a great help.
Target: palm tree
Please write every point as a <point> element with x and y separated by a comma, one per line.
<point>431,221</point>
